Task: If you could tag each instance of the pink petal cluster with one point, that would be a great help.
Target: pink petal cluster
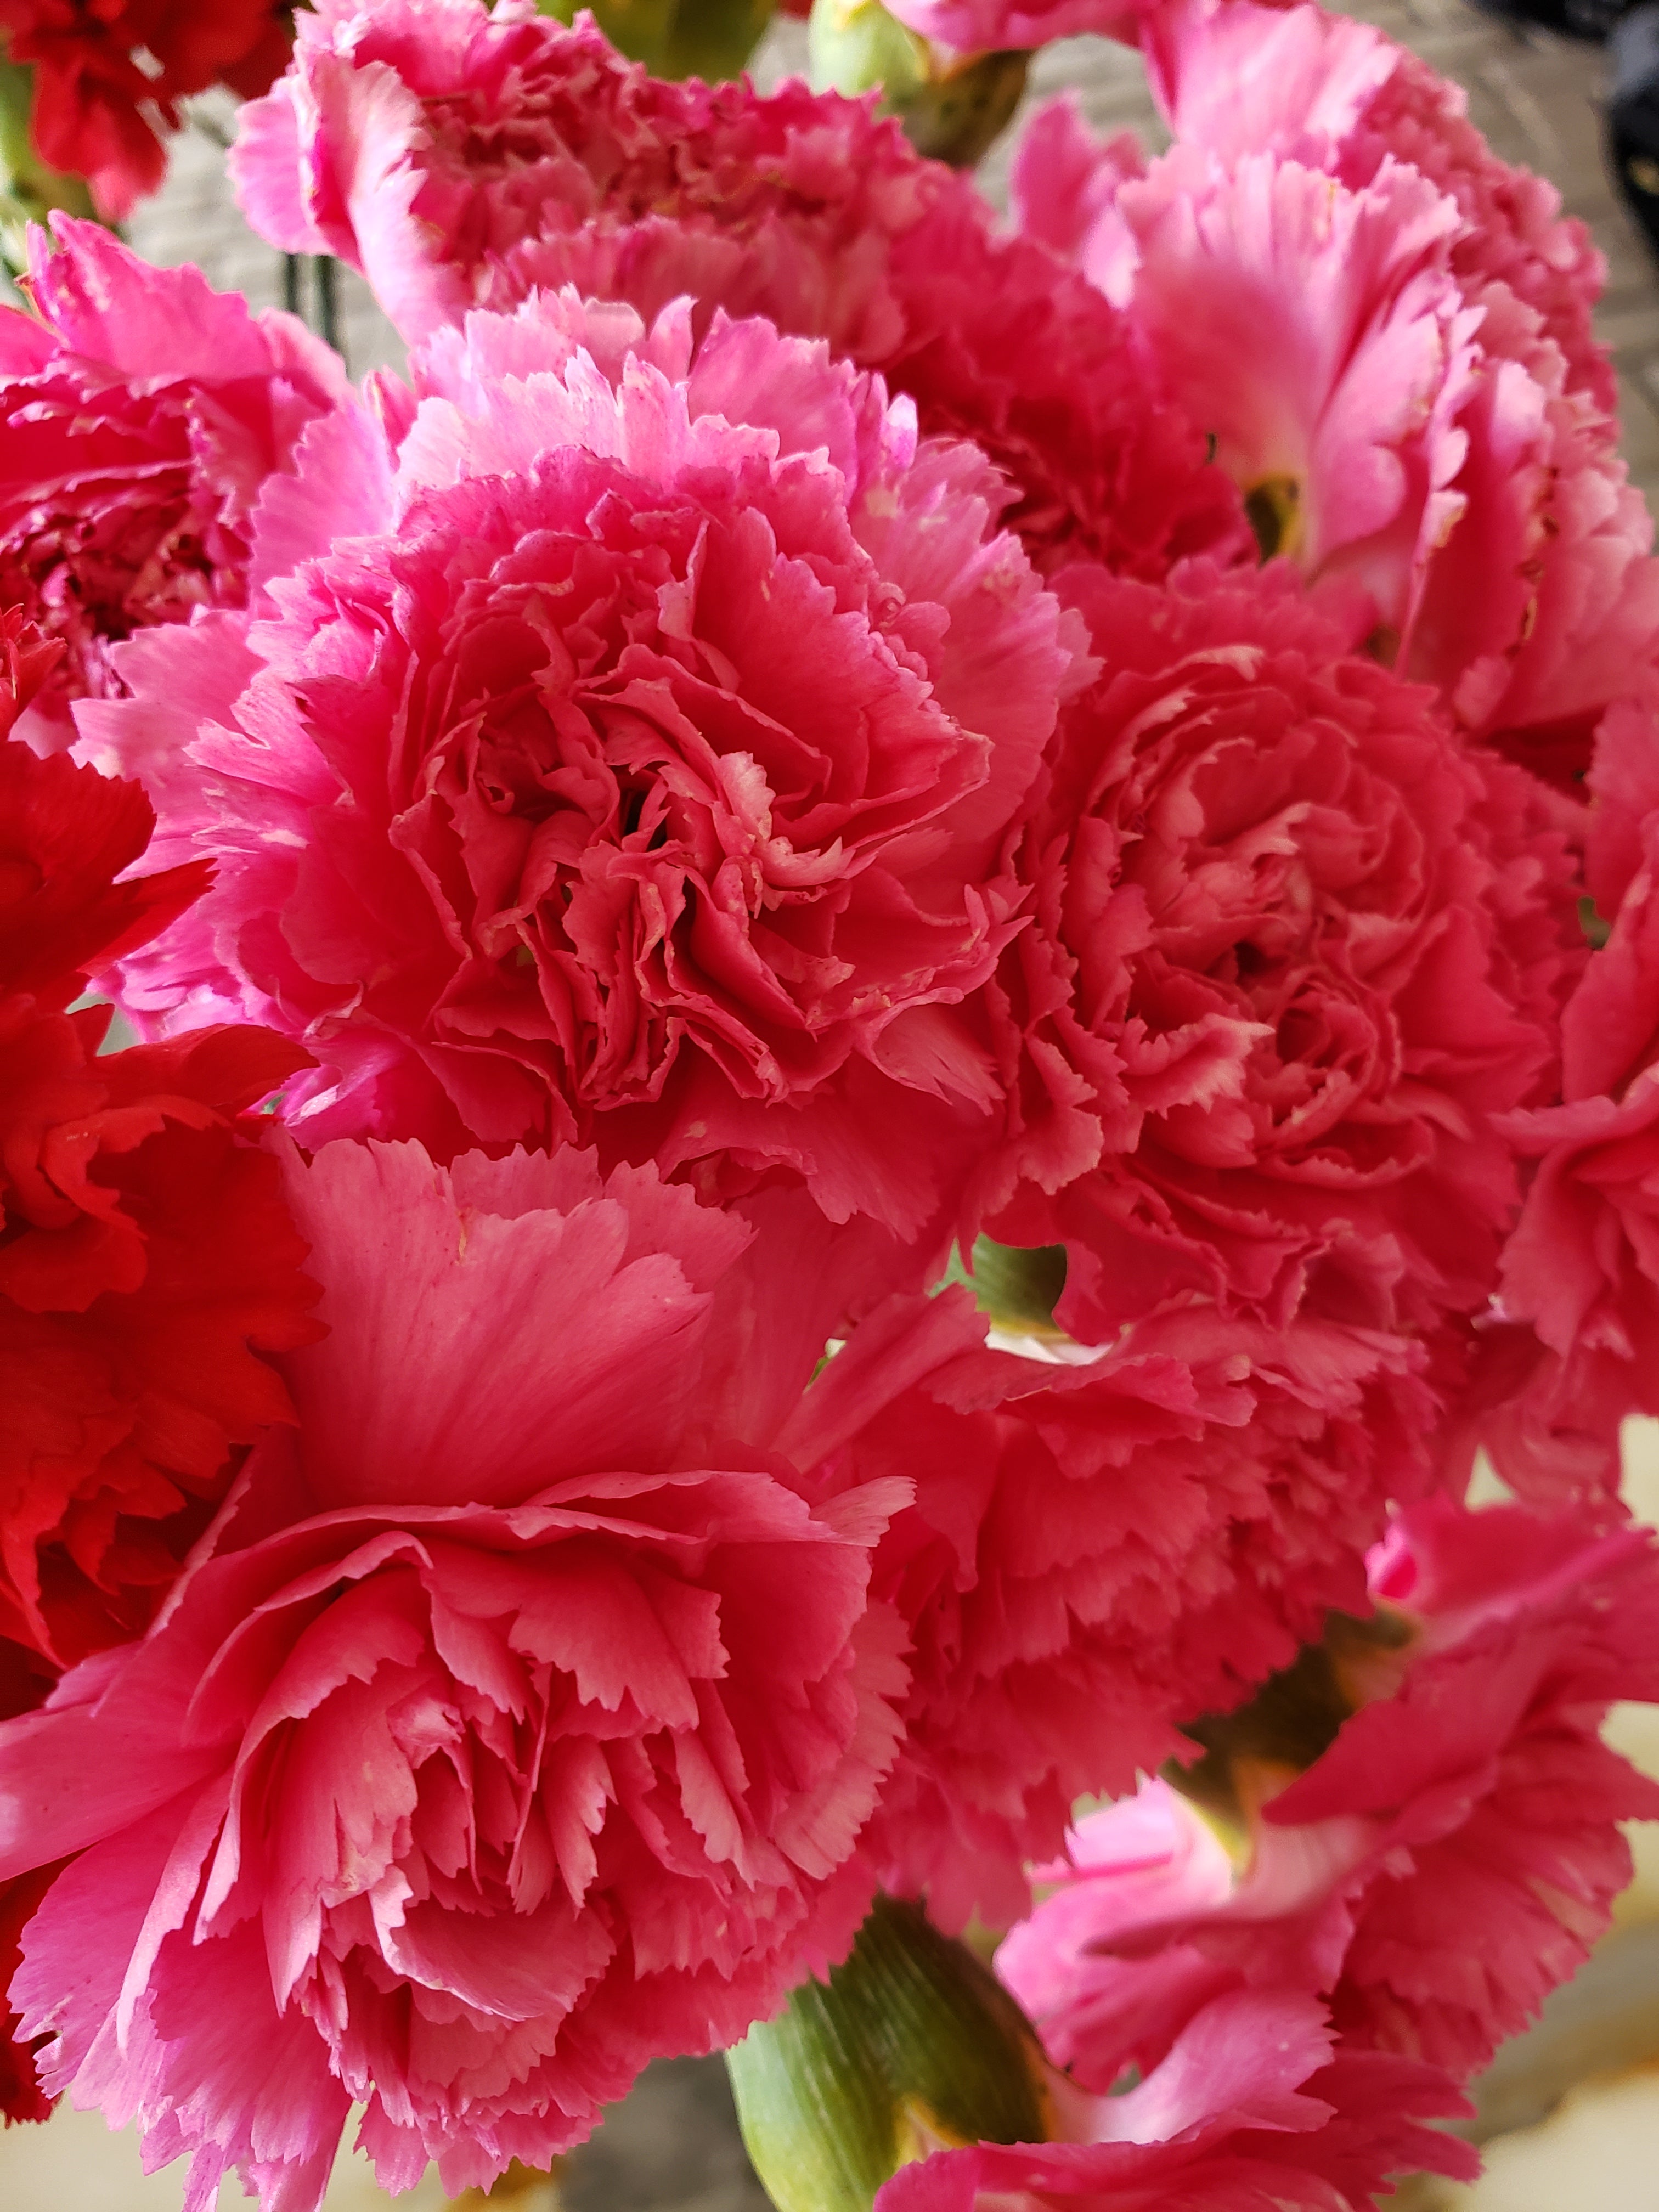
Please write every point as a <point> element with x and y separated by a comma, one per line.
<point>1387,332</point>
<point>1099,1546</point>
<point>1254,2102</point>
<point>1295,946</point>
<point>143,413</point>
<point>1432,1815</point>
<point>1574,1344</point>
<point>1238,78</point>
<point>638,770</point>
<point>462,157</point>
<point>514,1724</point>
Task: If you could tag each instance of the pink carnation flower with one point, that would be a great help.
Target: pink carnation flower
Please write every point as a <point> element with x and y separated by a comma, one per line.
<point>1432,1815</point>
<point>1317,334</point>
<point>1295,946</point>
<point>636,766</point>
<point>1255,2102</point>
<point>1236,78</point>
<point>1400,372</point>
<point>143,413</point>
<point>1064,184</point>
<point>1100,1545</point>
<point>461,157</point>
<point>1574,1346</point>
<point>513,1726</point>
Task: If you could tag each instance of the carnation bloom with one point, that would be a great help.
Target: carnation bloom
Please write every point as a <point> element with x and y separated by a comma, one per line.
<point>1294,946</point>
<point>1314,331</point>
<point>1574,1344</point>
<point>92,103</point>
<point>1255,2101</point>
<point>1100,1544</point>
<point>143,414</point>
<point>1063,184</point>
<point>513,1727</point>
<point>1432,1815</point>
<point>147,1259</point>
<point>1238,78</point>
<point>462,157</point>
<point>638,771</point>
<point>1395,356</point>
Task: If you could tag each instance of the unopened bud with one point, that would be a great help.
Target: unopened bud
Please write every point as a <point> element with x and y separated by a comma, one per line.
<point>912,2047</point>
<point>709,38</point>
<point>952,107</point>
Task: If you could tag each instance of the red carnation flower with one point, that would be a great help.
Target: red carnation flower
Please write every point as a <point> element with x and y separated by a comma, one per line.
<point>96,111</point>
<point>145,1251</point>
<point>21,2097</point>
<point>146,1257</point>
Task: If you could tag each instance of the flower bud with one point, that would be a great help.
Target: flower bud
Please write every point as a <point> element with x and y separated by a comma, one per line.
<point>709,38</point>
<point>953,107</point>
<point>911,2047</point>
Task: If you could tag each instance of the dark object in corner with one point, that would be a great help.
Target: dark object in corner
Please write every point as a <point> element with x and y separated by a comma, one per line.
<point>1592,21</point>
<point>1633,116</point>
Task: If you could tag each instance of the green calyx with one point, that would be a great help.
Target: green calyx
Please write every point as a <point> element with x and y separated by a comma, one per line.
<point>1017,1286</point>
<point>912,2046</point>
<point>709,38</point>
<point>952,107</point>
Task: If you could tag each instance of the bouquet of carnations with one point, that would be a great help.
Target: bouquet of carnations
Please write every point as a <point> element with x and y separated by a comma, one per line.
<point>895,979</point>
